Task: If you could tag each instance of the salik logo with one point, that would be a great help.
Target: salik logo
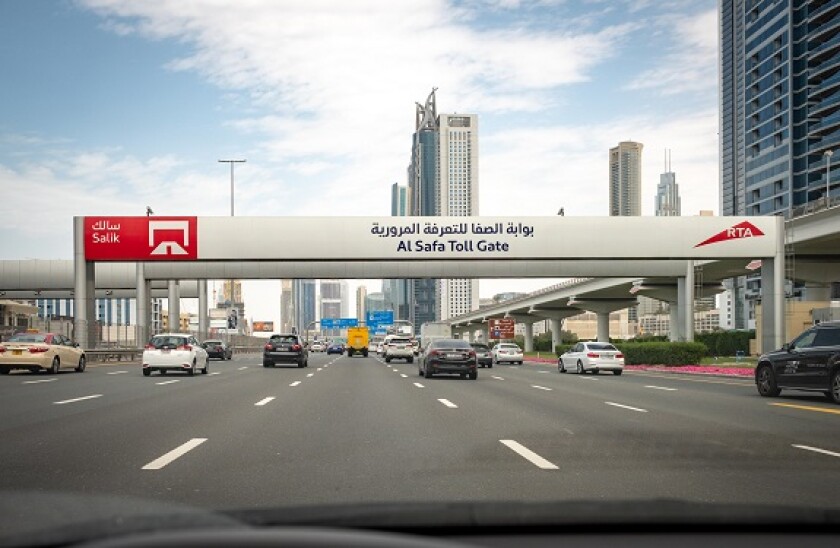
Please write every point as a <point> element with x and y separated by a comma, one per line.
<point>179,229</point>
<point>141,238</point>
<point>738,232</point>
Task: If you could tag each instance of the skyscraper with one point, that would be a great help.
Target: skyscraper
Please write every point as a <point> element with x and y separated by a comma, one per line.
<point>287,306</point>
<point>398,291</point>
<point>626,179</point>
<point>304,304</point>
<point>443,180</point>
<point>399,200</point>
<point>667,192</point>
<point>361,311</point>
<point>780,77</point>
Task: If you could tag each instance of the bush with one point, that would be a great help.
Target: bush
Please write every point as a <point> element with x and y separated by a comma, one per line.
<point>726,343</point>
<point>663,353</point>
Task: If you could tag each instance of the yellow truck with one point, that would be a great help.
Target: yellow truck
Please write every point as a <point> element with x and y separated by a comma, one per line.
<point>358,339</point>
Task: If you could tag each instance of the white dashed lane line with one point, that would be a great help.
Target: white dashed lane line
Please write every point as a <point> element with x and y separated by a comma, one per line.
<point>529,455</point>
<point>167,382</point>
<point>626,407</point>
<point>661,388</point>
<point>264,401</point>
<point>310,375</point>
<point>418,385</point>
<point>538,387</point>
<point>116,372</point>
<point>447,403</point>
<point>214,373</point>
<point>38,382</point>
<point>403,375</point>
<point>62,402</point>
<point>817,450</point>
<point>179,451</point>
<point>497,378</point>
<point>587,378</point>
<point>243,368</point>
<point>295,383</point>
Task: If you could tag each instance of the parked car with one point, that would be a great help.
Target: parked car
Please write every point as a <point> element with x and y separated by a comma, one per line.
<point>592,357</point>
<point>285,348</point>
<point>397,348</point>
<point>218,349</point>
<point>174,352</point>
<point>448,356</point>
<point>810,362</point>
<point>506,352</point>
<point>40,351</point>
<point>335,348</point>
<point>482,354</point>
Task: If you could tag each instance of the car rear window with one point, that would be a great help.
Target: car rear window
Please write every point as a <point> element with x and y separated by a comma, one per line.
<point>481,347</point>
<point>603,346</point>
<point>450,343</point>
<point>509,346</point>
<point>399,341</point>
<point>167,342</point>
<point>29,338</point>
<point>213,342</point>
<point>285,339</point>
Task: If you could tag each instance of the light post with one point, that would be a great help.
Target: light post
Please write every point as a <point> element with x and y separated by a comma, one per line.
<point>230,296</point>
<point>827,154</point>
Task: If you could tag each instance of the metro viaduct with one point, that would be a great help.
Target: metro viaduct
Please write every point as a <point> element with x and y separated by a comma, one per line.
<point>622,274</point>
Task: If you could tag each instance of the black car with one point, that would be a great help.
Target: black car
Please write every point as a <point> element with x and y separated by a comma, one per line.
<point>482,354</point>
<point>448,356</point>
<point>810,362</point>
<point>218,349</point>
<point>282,348</point>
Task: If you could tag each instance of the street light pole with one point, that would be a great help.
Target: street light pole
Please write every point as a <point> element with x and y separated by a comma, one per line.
<point>230,296</point>
<point>827,154</point>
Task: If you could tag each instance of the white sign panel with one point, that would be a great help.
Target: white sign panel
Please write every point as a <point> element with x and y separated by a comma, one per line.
<point>486,238</point>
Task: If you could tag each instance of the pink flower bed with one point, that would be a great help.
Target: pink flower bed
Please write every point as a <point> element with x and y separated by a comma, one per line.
<point>692,369</point>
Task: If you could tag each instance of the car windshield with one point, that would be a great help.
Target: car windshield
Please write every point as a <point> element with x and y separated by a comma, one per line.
<point>601,239</point>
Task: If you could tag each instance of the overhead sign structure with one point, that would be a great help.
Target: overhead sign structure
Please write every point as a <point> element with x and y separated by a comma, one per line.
<point>141,238</point>
<point>338,323</point>
<point>377,321</point>
<point>502,328</point>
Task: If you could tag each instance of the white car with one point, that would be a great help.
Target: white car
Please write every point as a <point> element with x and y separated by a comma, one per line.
<point>317,346</point>
<point>506,352</point>
<point>397,348</point>
<point>174,352</point>
<point>592,357</point>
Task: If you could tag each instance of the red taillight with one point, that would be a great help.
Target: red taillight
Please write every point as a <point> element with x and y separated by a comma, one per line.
<point>150,347</point>
<point>435,353</point>
<point>185,347</point>
<point>593,355</point>
<point>37,349</point>
<point>472,354</point>
<point>296,347</point>
<point>2,349</point>
<point>619,355</point>
<point>268,346</point>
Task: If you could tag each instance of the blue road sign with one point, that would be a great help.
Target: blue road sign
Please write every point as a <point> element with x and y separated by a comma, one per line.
<point>327,323</point>
<point>377,320</point>
<point>332,323</point>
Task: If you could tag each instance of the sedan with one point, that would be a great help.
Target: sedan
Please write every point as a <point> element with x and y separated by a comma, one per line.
<point>317,346</point>
<point>506,352</point>
<point>592,357</point>
<point>482,353</point>
<point>174,352</point>
<point>448,356</point>
<point>40,351</point>
<point>283,348</point>
<point>218,349</point>
<point>335,348</point>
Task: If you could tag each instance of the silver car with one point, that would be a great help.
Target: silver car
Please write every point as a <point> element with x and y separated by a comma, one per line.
<point>592,357</point>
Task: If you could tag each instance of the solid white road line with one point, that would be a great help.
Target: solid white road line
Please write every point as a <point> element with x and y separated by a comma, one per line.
<point>264,401</point>
<point>42,380</point>
<point>541,387</point>
<point>168,382</point>
<point>116,372</point>
<point>447,403</point>
<point>626,407</point>
<point>160,462</point>
<point>497,378</point>
<point>529,455</point>
<point>817,450</point>
<point>660,388</point>
<point>295,383</point>
<point>418,385</point>
<point>77,399</point>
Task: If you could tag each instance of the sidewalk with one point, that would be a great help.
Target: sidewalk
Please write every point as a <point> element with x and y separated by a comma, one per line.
<point>736,372</point>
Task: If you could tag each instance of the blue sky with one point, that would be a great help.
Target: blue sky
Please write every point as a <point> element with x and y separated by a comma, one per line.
<point>110,105</point>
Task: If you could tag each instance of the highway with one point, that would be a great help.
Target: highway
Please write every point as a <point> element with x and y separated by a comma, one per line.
<point>350,430</point>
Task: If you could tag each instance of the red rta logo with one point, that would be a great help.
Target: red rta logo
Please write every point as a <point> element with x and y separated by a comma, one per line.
<point>737,232</point>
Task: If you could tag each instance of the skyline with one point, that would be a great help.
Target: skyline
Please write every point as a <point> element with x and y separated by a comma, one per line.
<point>117,105</point>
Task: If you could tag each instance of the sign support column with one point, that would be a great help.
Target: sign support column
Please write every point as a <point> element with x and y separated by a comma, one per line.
<point>83,287</point>
<point>202,310</point>
<point>142,305</point>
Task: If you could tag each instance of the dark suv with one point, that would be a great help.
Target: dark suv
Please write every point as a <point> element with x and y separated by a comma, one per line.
<point>285,349</point>
<point>810,362</point>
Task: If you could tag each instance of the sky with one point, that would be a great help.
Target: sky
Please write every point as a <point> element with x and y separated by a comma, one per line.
<point>108,106</point>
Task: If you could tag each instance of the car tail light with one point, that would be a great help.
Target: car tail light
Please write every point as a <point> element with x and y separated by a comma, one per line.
<point>184,347</point>
<point>2,349</point>
<point>619,355</point>
<point>296,347</point>
<point>472,354</point>
<point>37,349</point>
<point>593,355</point>
<point>268,346</point>
<point>150,347</point>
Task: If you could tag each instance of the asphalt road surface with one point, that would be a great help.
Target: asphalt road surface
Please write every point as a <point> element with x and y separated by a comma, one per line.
<point>350,430</point>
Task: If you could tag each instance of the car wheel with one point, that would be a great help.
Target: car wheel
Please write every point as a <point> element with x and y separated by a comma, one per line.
<point>409,360</point>
<point>419,371</point>
<point>266,364</point>
<point>364,354</point>
<point>766,382</point>
<point>473,375</point>
<point>560,366</point>
<point>81,367</point>
<point>191,371</point>
<point>163,372</point>
<point>463,375</point>
<point>387,360</point>
<point>147,372</point>
<point>618,372</point>
<point>56,365</point>
<point>301,365</point>
<point>490,365</point>
<point>834,387</point>
<point>5,370</point>
<point>427,373</point>
<point>206,366</point>
<point>580,370</point>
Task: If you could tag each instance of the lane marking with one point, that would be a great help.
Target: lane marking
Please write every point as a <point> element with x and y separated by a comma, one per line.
<point>529,455</point>
<point>541,387</point>
<point>807,408</point>
<point>42,380</point>
<point>581,377</point>
<point>403,375</point>
<point>295,383</point>
<point>497,378</point>
<point>77,399</point>
<point>116,372</point>
<point>243,367</point>
<point>626,407</point>
<point>447,403</point>
<point>543,371</point>
<point>684,378</point>
<point>418,385</point>
<point>214,373</point>
<point>319,369</point>
<point>167,382</point>
<point>660,388</point>
<point>264,401</point>
<point>310,375</point>
<point>179,451</point>
<point>817,450</point>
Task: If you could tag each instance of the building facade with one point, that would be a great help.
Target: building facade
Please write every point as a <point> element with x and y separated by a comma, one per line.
<point>625,163</point>
<point>667,194</point>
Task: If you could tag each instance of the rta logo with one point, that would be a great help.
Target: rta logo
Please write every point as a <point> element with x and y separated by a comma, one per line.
<point>737,232</point>
<point>169,247</point>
